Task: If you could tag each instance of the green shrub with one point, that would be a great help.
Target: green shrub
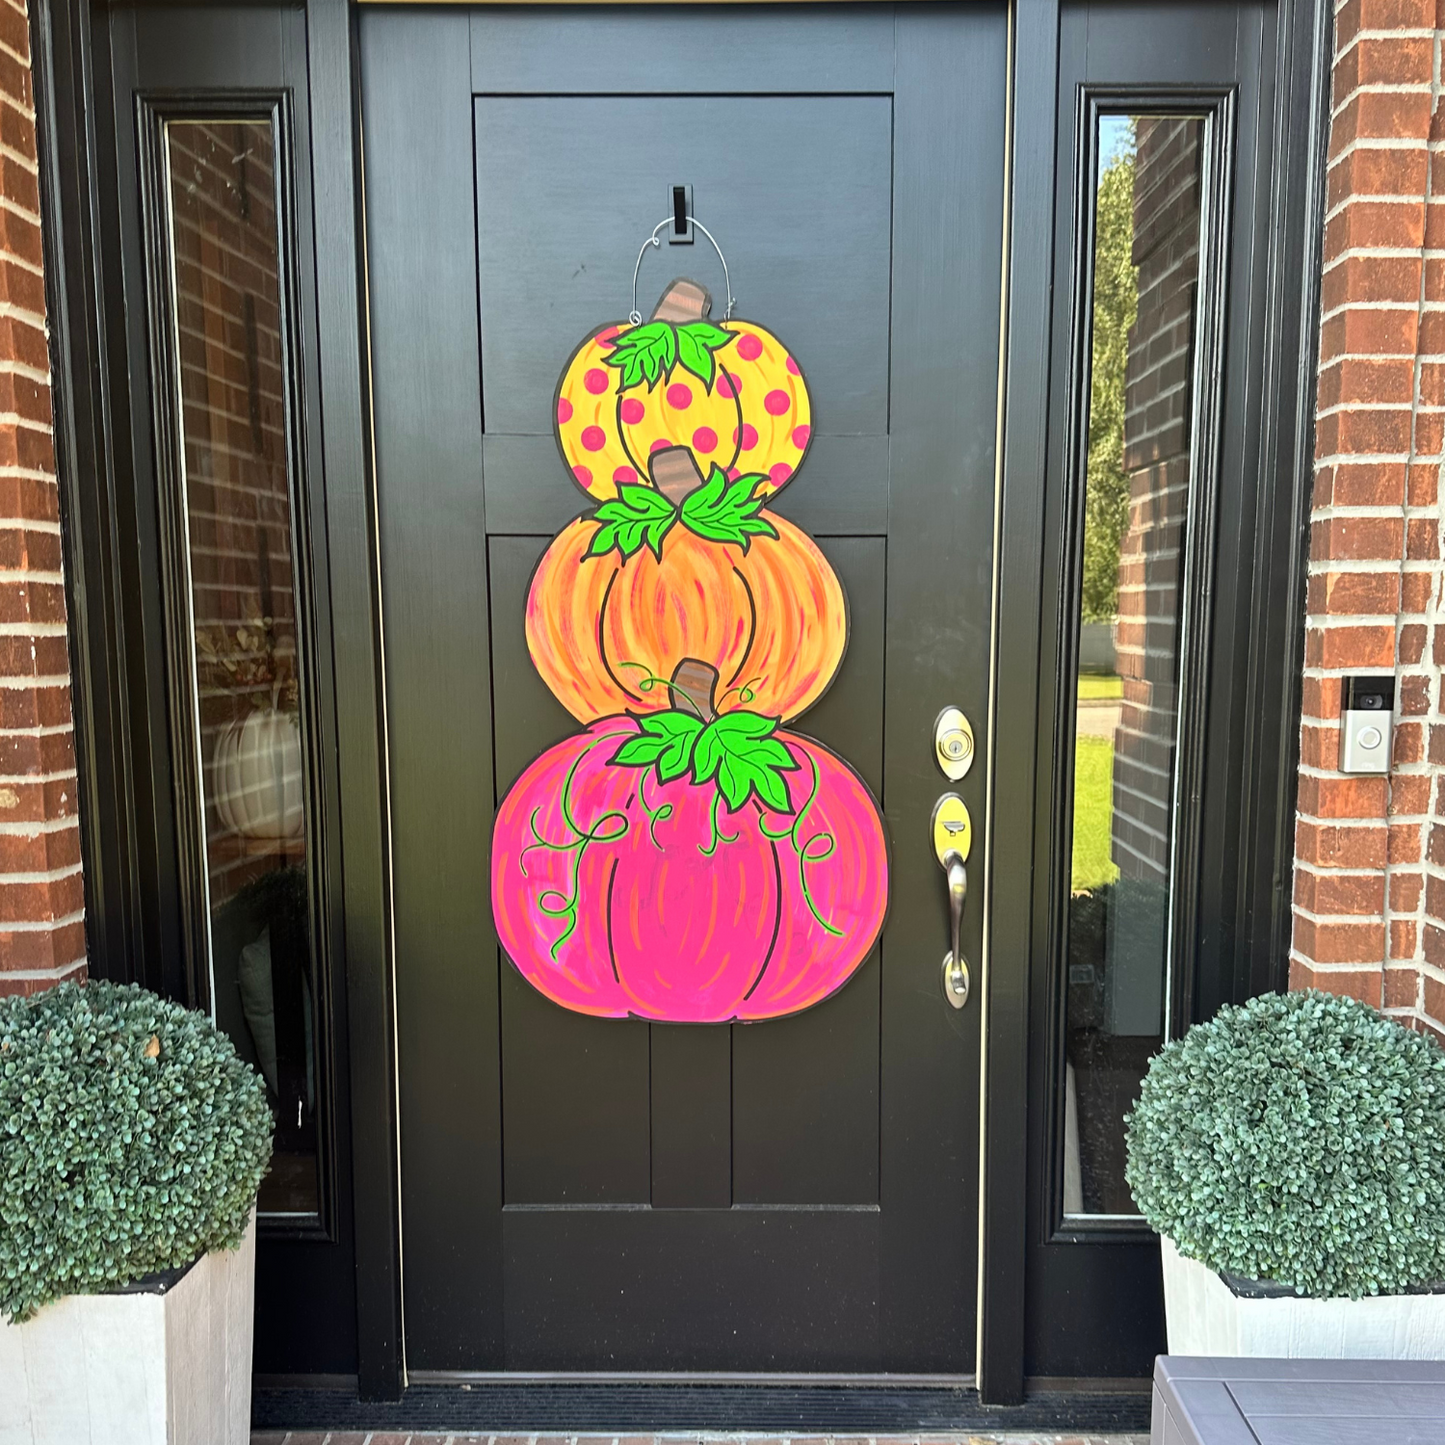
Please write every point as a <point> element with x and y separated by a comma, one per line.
<point>132,1139</point>
<point>1300,1139</point>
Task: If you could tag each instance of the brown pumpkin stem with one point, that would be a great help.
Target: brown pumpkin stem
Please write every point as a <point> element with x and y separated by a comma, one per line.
<point>683,301</point>
<point>674,473</point>
<point>694,687</point>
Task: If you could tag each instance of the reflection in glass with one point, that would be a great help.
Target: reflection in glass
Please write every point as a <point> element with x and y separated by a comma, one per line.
<point>237,495</point>
<point>1136,497</point>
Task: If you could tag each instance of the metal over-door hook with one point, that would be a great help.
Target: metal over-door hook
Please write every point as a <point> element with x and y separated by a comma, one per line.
<point>679,204</point>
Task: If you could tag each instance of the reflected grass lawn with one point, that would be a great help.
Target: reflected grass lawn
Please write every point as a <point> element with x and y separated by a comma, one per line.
<point>1093,811</point>
<point>1097,686</point>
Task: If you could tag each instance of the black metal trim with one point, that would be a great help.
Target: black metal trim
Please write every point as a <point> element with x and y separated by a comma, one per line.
<point>1216,107</point>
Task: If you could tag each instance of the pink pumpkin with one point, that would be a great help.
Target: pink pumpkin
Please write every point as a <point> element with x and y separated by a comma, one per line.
<point>621,895</point>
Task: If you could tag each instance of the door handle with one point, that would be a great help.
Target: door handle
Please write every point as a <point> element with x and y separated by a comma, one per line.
<point>952,840</point>
<point>955,966</point>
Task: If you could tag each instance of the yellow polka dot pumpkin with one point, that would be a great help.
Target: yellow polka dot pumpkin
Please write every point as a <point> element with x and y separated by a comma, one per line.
<point>730,392</point>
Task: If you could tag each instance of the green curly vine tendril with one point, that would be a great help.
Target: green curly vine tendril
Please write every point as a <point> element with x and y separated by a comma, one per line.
<point>649,680</point>
<point>805,856</point>
<point>567,908</point>
<point>816,849</point>
<point>718,836</point>
<point>657,815</point>
<point>745,693</point>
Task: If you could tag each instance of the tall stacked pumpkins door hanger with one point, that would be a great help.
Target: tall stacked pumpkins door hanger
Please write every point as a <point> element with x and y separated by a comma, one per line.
<point>686,857</point>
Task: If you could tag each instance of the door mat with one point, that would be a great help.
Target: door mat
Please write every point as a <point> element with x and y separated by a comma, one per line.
<point>612,1409</point>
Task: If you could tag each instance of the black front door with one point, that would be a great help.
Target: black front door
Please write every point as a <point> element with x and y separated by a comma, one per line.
<point>768,1194</point>
<point>1045,270</point>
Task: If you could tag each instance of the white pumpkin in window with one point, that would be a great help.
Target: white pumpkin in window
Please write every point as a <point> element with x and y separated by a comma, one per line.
<point>259,780</point>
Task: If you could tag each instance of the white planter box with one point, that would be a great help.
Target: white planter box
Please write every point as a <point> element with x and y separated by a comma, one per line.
<point>1206,1317</point>
<point>170,1368</point>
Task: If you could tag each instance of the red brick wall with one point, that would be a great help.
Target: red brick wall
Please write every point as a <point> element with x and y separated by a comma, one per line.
<point>42,927</point>
<point>1369,888</point>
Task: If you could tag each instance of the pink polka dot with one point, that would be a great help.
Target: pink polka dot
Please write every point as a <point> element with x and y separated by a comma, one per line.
<point>780,473</point>
<point>583,475</point>
<point>800,436</point>
<point>793,367</point>
<point>633,411</point>
<point>595,381</point>
<point>776,403</point>
<point>594,438</point>
<point>658,445</point>
<point>733,474</point>
<point>750,436</point>
<point>749,348</point>
<point>728,384</point>
<point>704,439</point>
<point>608,332</point>
<point>679,397</point>
<point>564,409</point>
<point>624,474</point>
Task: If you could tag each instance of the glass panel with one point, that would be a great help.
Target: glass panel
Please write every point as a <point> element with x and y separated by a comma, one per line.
<point>1136,498</point>
<point>237,496</point>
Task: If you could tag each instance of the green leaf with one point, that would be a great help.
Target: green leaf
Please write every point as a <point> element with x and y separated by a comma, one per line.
<point>637,515</point>
<point>708,335</point>
<point>693,356</point>
<point>666,740</point>
<point>739,750</point>
<point>696,343</point>
<point>723,511</point>
<point>644,500</point>
<point>646,353</point>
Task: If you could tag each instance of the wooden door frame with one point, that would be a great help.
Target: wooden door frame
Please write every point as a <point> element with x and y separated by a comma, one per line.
<point>71,49</point>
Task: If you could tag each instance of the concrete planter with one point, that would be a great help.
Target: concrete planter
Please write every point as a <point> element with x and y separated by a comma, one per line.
<point>1206,1317</point>
<point>168,1363</point>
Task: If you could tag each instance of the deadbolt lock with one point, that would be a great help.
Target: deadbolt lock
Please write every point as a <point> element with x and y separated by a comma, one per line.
<point>953,743</point>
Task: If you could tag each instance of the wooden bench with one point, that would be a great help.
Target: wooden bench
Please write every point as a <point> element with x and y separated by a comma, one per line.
<point>1199,1401</point>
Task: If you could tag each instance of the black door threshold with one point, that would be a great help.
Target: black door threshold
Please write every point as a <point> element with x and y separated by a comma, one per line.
<point>614,1409</point>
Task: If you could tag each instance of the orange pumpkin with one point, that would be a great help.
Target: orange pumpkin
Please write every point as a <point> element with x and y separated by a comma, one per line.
<point>624,595</point>
<point>730,393</point>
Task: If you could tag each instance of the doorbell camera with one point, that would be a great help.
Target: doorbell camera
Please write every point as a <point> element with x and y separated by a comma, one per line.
<point>1365,717</point>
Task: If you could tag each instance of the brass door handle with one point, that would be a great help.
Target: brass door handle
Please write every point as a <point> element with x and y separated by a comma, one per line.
<point>955,966</point>
<point>952,839</point>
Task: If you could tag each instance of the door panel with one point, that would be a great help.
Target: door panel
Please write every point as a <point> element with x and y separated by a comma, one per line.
<point>564,179</point>
<point>754,1289</point>
<point>589,1194</point>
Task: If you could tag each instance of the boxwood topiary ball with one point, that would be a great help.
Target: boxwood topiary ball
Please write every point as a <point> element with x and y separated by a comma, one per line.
<point>1299,1138</point>
<point>132,1139</point>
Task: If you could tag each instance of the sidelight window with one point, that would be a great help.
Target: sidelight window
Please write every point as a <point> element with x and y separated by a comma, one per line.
<point>235,593</point>
<point>1132,698</point>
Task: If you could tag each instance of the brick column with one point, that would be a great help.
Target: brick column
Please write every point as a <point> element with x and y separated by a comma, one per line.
<point>1369,888</point>
<point>42,926</point>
